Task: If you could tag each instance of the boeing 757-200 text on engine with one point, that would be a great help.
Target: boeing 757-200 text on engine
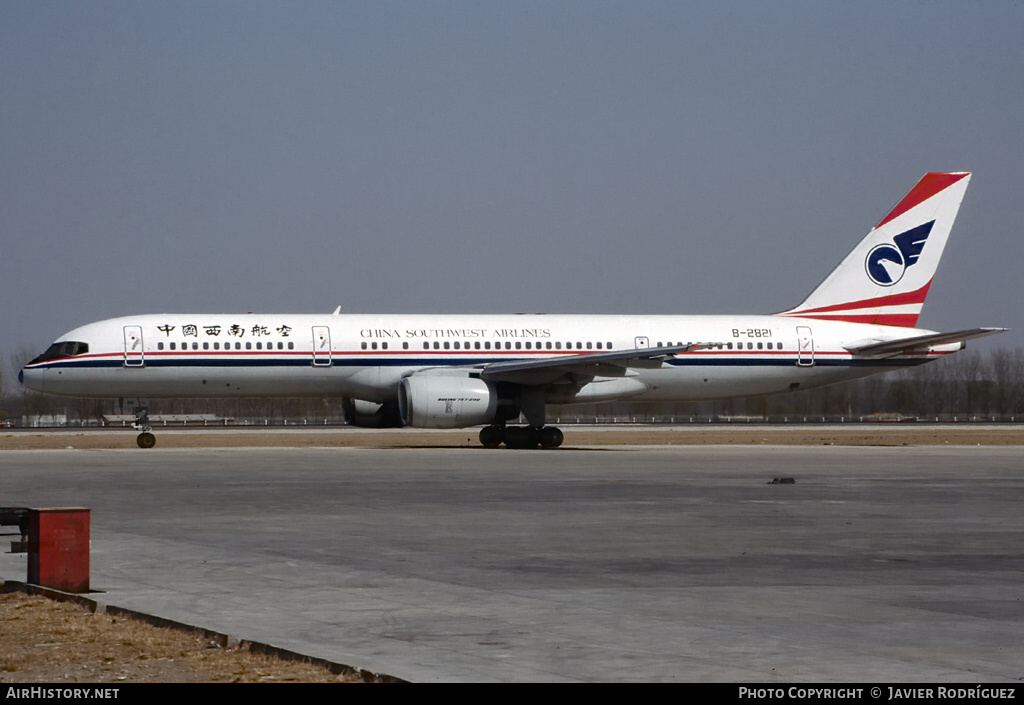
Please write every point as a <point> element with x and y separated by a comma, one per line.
<point>454,371</point>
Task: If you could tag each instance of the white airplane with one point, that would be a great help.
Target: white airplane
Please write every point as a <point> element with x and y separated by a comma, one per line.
<point>455,371</point>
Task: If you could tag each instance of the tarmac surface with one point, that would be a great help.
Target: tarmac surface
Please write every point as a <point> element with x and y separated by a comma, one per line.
<point>616,563</point>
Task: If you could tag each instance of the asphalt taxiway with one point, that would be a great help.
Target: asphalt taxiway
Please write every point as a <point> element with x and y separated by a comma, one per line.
<point>590,564</point>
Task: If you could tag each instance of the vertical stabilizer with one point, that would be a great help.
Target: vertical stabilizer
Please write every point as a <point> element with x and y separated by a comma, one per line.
<point>886,277</point>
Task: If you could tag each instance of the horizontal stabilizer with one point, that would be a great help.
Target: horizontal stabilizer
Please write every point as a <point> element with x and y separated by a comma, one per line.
<point>917,343</point>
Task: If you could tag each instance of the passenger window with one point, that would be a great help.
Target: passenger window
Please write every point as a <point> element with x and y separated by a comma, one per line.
<point>447,345</point>
<point>363,345</point>
<point>405,346</point>
<point>383,346</point>
<point>291,345</point>
<point>159,346</point>
<point>172,346</point>
<point>527,345</point>
<point>248,346</point>
<point>456,345</point>
<point>206,346</point>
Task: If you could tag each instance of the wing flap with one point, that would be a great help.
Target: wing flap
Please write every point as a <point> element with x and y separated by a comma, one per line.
<point>611,364</point>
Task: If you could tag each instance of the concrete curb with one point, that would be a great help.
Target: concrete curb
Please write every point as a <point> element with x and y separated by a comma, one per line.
<point>224,640</point>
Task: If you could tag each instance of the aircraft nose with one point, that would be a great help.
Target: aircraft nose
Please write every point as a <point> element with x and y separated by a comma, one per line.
<point>31,378</point>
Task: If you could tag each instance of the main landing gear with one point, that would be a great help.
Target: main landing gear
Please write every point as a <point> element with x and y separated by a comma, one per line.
<point>141,423</point>
<point>521,436</point>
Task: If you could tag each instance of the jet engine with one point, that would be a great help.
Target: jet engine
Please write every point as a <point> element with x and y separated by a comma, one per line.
<point>368,414</point>
<point>446,399</point>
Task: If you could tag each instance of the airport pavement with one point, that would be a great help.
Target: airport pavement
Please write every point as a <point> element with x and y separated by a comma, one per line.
<point>596,564</point>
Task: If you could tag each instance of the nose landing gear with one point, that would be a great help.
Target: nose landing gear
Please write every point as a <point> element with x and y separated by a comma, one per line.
<point>145,439</point>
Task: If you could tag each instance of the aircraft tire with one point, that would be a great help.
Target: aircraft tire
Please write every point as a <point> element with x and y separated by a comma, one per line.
<point>551,437</point>
<point>146,440</point>
<point>520,437</point>
<point>492,436</point>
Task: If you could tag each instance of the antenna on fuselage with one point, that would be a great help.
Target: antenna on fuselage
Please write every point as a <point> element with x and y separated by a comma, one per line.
<point>336,311</point>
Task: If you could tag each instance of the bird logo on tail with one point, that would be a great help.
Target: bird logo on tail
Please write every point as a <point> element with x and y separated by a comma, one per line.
<point>886,263</point>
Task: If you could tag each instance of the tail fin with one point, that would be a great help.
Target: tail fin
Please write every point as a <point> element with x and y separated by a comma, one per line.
<point>886,277</point>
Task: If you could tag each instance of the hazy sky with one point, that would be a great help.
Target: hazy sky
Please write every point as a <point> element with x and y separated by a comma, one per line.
<point>635,157</point>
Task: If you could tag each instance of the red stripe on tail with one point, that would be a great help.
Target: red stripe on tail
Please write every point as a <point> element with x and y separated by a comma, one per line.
<point>931,184</point>
<point>908,297</point>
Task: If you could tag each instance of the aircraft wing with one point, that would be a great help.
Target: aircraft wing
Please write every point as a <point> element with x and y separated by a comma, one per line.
<point>613,363</point>
<point>917,343</point>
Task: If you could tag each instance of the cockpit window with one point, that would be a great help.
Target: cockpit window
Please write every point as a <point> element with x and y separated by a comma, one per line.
<point>65,348</point>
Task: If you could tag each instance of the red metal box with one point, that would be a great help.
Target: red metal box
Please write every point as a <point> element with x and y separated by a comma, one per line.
<point>59,548</point>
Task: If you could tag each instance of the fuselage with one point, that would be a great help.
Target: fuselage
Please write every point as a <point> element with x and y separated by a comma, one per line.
<point>366,356</point>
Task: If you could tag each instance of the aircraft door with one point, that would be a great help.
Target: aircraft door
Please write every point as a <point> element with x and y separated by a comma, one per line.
<point>133,353</point>
<point>321,346</point>
<point>804,347</point>
<point>641,342</point>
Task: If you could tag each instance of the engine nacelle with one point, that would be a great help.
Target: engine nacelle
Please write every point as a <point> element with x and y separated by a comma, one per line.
<point>446,399</point>
<point>368,414</point>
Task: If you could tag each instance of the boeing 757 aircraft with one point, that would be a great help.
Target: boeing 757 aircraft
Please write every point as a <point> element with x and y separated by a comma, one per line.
<point>454,371</point>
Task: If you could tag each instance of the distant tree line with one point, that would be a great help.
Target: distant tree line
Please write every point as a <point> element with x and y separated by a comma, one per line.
<point>969,385</point>
<point>965,386</point>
